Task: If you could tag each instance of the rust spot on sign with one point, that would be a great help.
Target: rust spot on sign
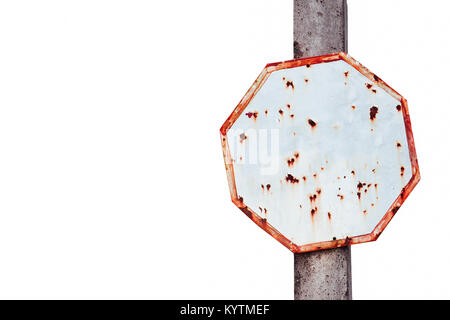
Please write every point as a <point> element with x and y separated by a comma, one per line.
<point>402,194</point>
<point>253,115</point>
<point>399,108</point>
<point>373,112</point>
<point>312,123</point>
<point>268,187</point>
<point>290,84</point>
<point>290,178</point>
<point>292,160</point>
<point>242,137</point>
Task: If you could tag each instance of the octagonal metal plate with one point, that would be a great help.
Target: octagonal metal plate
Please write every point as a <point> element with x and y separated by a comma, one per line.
<point>319,153</point>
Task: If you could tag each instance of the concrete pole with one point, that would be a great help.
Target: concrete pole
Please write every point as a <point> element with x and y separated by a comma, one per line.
<point>320,27</point>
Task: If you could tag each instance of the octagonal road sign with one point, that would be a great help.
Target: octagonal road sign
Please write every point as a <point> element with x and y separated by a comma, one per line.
<point>319,153</point>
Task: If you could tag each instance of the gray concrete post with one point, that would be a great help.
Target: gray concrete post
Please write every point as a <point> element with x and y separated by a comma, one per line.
<point>320,27</point>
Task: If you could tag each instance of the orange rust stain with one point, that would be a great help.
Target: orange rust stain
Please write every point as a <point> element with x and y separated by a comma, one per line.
<point>399,108</point>
<point>312,123</point>
<point>373,112</point>
<point>346,74</point>
<point>292,160</point>
<point>290,84</point>
<point>251,115</point>
<point>268,187</point>
<point>290,178</point>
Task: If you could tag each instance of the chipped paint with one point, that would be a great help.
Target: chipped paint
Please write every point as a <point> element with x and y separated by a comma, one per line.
<point>339,174</point>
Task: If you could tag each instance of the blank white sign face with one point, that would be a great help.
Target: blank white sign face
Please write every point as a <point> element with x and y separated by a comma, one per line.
<point>319,153</point>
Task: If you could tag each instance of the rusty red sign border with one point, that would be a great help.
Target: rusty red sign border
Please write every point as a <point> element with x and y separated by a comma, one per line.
<point>262,223</point>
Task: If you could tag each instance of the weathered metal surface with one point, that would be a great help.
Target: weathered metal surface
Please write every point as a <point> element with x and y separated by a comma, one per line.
<point>319,153</point>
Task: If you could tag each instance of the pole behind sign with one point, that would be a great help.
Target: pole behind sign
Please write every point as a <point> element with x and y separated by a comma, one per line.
<point>320,27</point>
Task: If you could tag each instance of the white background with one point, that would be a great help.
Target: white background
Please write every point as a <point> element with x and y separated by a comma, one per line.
<point>112,183</point>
